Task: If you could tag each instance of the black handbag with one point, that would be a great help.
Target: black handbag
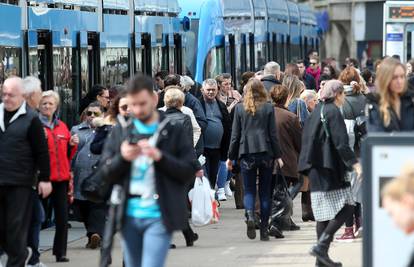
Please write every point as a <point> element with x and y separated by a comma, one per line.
<point>282,203</point>
<point>94,188</point>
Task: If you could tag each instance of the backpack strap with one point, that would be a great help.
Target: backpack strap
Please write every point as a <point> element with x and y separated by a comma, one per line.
<point>324,121</point>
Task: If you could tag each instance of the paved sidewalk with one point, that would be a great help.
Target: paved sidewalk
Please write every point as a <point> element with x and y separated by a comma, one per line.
<point>225,245</point>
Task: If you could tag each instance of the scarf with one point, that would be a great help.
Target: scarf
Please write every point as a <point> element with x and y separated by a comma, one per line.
<point>315,74</point>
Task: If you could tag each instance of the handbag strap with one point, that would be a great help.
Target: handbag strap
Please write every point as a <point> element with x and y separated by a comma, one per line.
<point>324,121</point>
<point>281,177</point>
<point>352,109</point>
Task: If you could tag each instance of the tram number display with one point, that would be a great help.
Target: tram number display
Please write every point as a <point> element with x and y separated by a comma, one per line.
<point>401,12</point>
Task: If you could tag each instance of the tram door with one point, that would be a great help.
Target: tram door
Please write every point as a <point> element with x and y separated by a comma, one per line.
<point>146,54</point>
<point>232,57</point>
<point>40,53</point>
<point>178,53</point>
<point>94,59</point>
<point>251,52</point>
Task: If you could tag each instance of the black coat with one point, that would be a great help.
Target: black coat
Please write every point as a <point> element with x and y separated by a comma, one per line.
<point>176,115</point>
<point>309,81</point>
<point>354,106</point>
<point>254,134</point>
<point>269,81</point>
<point>173,172</point>
<point>405,124</point>
<point>320,152</point>
<point>226,121</point>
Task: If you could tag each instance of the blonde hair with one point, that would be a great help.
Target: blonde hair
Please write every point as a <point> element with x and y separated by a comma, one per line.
<point>51,93</point>
<point>385,74</point>
<point>174,98</point>
<point>403,184</point>
<point>255,96</point>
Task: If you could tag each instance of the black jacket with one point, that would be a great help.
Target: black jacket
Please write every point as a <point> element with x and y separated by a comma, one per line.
<point>405,124</point>
<point>354,106</point>
<point>269,81</point>
<point>226,121</point>
<point>254,134</point>
<point>23,148</point>
<point>309,81</point>
<point>322,152</point>
<point>172,173</point>
<point>177,116</point>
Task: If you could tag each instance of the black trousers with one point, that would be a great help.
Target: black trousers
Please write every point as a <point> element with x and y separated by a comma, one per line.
<point>93,216</point>
<point>59,199</point>
<point>15,212</point>
<point>212,164</point>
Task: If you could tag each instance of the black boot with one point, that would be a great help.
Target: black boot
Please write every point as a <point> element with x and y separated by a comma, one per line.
<point>276,232</point>
<point>251,226</point>
<point>190,237</point>
<point>264,231</point>
<point>293,226</point>
<point>320,251</point>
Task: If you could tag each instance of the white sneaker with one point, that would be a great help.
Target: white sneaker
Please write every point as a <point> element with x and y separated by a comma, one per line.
<point>227,189</point>
<point>221,196</point>
<point>3,260</point>
<point>40,264</point>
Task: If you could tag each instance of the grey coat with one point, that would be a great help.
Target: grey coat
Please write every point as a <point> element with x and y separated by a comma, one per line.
<point>254,134</point>
<point>84,160</point>
<point>354,106</point>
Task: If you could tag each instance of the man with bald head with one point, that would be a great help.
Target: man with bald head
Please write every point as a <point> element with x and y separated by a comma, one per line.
<point>23,155</point>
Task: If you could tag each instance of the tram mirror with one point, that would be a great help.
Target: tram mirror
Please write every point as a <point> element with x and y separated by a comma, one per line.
<point>186,23</point>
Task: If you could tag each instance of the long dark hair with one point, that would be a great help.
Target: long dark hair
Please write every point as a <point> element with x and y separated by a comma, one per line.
<point>114,108</point>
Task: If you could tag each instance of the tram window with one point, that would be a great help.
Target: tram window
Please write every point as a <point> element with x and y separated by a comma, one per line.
<point>138,60</point>
<point>243,54</point>
<point>214,64</point>
<point>240,61</point>
<point>11,2</point>
<point>227,63</point>
<point>114,68</point>
<point>261,55</point>
<point>84,72</point>
<point>63,84</point>
<point>10,62</point>
<point>156,59</point>
<point>164,58</point>
<point>171,60</point>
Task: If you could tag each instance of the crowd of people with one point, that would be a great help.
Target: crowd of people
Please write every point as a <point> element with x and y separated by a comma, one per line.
<point>303,125</point>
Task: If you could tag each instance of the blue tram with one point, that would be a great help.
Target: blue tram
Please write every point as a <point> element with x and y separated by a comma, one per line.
<point>238,36</point>
<point>73,44</point>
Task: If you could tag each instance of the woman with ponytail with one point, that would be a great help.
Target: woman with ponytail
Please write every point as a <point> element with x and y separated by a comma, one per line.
<point>391,109</point>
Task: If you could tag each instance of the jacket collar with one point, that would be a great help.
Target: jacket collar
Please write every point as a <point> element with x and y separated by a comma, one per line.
<point>21,111</point>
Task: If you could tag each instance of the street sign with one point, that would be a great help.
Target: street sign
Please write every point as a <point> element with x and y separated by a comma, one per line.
<point>384,244</point>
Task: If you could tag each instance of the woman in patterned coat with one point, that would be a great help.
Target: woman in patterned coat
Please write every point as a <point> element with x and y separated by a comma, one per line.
<point>326,157</point>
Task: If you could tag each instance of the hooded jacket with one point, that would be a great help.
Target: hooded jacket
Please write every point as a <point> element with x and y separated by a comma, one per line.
<point>58,137</point>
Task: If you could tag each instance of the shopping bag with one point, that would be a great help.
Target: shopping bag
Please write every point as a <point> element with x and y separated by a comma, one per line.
<point>216,213</point>
<point>201,198</point>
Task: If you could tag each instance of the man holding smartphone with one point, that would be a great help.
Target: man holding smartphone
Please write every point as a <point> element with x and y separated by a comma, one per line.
<point>155,163</point>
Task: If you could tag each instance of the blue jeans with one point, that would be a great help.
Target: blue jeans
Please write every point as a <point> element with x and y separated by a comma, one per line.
<point>253,166</point>
<point>223,175</point>
<point>145,241</point>
<point>38,216</point>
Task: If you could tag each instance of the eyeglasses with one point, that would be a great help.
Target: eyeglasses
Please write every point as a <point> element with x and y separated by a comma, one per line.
<point>90,113</point>
<point>124,107</point>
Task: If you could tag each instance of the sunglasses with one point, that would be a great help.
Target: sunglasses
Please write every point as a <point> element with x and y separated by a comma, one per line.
<point>90,113</point>
<point>313,63</point>
<point>124,107</point>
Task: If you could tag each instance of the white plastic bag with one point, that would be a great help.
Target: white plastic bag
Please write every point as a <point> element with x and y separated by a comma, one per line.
<point>201,198</point>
